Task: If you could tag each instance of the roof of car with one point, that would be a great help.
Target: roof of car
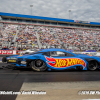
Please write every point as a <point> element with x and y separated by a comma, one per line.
<point>52,49</point>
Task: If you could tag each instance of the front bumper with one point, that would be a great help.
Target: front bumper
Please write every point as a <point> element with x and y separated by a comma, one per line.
<point>18,63</point>
<point>13,65</point>
<point>21,65</point>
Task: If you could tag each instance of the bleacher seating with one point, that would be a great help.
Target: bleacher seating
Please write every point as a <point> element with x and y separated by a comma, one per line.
<point>25,36</point>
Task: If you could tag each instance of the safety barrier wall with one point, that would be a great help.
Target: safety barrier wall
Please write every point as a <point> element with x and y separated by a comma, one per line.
<point>8,52</point>
<point>11,52</point>
<point>14,52</point>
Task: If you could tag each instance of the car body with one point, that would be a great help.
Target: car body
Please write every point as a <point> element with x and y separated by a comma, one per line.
<point>55,59</point>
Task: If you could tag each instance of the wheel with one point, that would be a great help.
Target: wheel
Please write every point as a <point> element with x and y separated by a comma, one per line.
<point>4,59</point>
<point>92,65</point>
<point>38,65</point>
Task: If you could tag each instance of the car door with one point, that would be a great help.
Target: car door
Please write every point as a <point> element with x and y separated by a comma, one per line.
<point>62,60</point>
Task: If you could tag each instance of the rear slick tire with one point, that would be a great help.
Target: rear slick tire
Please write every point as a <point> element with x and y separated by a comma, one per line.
<point>38,65</point>
<point>92,65</point>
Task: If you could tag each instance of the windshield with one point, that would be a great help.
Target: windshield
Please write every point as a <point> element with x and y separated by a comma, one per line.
<point>34,53</point>
<point>30,53</point>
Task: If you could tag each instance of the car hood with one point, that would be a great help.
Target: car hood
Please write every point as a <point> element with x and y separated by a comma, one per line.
<point>19,56</point>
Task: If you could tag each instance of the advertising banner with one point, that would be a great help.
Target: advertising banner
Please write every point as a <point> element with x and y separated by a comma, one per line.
<point>5,52</point>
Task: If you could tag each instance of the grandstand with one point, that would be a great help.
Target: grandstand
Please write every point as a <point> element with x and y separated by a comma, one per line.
<point>26,31</point>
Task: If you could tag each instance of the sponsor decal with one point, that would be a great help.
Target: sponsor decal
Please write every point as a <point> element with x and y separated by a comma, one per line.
<point>20,55</point>
<point>64,62</point>
<point>11,60</point>
<point>8,58</point>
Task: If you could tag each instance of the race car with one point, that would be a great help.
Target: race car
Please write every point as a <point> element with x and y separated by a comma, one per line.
<point>55,59</point>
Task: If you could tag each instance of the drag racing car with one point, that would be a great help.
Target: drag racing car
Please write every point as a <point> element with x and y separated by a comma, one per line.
<point>54,59</point>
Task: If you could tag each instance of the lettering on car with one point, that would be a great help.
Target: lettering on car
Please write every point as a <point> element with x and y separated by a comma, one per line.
<point>64,62</point>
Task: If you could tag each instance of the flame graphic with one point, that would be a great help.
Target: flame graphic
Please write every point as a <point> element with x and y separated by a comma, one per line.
<point>64,62</point>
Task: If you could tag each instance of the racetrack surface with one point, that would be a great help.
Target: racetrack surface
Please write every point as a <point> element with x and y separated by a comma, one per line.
<point>57,84</point>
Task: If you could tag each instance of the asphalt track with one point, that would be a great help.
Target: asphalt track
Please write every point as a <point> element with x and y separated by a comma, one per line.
<point>16,79</point>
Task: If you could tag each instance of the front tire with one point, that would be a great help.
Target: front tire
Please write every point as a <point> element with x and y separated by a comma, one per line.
<point>38,65</point>
<point>92,65</point>
<point>4,59</point>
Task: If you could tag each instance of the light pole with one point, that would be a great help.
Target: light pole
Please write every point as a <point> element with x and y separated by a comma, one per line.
<point>69,13</point>
<point>31,8</point>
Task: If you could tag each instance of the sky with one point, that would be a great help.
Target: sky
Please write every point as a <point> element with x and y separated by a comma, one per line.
<point>84,10</point>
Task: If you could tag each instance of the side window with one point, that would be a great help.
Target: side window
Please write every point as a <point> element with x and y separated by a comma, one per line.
<point>69,55</point>
<point>58,53</point>
<point>46,53</point>
<point>53,53</point>
<point>61,53</point>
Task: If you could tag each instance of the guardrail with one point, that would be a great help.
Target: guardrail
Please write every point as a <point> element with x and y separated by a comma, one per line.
<point>14,52</point>
<point>8,52</point>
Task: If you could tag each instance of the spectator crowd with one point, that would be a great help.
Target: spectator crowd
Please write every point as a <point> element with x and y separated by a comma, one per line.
<point>49,36</point>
